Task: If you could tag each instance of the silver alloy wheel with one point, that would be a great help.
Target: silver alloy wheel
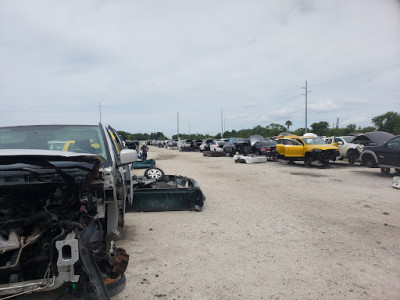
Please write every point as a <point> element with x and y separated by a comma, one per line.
<point>154,173</point>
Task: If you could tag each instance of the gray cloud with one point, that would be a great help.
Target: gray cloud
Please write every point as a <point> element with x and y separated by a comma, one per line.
<point>146,60</point>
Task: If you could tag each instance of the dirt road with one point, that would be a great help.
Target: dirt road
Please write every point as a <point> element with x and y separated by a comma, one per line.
<point>268,231</point>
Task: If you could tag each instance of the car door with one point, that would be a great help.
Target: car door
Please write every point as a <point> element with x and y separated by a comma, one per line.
<point>293,149</point>
<point>389,154</point>
<point>125,170</point>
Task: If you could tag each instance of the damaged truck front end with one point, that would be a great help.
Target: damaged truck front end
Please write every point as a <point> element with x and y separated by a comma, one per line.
<point>53,224</point>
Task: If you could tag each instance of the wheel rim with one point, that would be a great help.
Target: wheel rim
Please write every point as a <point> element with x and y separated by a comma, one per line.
<point>154,173</point>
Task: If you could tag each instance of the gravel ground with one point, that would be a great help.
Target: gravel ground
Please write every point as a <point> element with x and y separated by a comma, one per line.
<point>268,231</point>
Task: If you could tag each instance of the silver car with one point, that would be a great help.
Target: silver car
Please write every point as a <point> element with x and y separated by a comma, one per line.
<point>63,192</point>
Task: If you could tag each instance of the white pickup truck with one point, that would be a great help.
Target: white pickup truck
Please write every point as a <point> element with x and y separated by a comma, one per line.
<point>346,148</point>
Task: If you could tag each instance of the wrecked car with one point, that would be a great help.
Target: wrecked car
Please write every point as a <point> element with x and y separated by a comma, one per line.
<point>263,146</point>
<point>307,149</point>
<point>347,149</point>
<point>205,146</point>
<point>61,209</point>
<point>156,191</point>
<point>385,156</point>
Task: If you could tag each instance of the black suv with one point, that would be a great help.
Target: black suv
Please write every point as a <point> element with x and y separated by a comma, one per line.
<point>385,156</point>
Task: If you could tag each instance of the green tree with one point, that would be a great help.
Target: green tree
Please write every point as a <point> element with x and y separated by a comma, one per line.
<point>299,131</point>
<point>275,129</point>
<point>288,124</point>
<point>320,128</point>
<point>389,122</point>
<point>366,129</point>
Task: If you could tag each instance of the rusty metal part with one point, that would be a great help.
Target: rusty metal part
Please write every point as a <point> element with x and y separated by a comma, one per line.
<point>120,261</point>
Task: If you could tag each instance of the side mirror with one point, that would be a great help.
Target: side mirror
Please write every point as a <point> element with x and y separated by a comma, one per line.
<point>340,143</point>
<point>128,156</point>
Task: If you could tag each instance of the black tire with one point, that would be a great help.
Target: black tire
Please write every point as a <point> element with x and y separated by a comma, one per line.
<point>231,154</point>
<point>385,170</point>
<point>307,161</point>
<point>154,173</point>
<point>113,289</point>
<point>370,162</point>
<point>352,156</point>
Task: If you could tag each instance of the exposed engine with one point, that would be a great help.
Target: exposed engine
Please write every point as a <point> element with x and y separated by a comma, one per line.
<point>52,233</point>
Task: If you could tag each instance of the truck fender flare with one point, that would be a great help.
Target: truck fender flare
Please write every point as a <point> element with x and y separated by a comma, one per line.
<point>368,152</point>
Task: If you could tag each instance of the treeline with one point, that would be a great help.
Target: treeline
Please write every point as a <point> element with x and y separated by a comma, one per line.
<point>142,136</point>
<point>389,122</point>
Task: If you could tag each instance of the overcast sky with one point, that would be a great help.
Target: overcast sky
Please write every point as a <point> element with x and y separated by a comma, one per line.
<point>144,61</point>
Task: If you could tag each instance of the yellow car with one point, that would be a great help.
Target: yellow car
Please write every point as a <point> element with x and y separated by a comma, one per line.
<point>307,149</point>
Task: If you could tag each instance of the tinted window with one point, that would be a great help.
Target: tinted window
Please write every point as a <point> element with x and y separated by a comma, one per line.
<point>394,144</point>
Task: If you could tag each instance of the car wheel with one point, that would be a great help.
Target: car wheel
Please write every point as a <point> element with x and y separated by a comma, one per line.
<point>397,170</point>
<point>370,162</point>
<point>154,173</point>
<point>385,170</point>
<point>352,155</point>
<point>307,161</point>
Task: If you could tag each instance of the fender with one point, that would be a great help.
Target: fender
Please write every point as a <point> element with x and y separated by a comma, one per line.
<point>369,152</point>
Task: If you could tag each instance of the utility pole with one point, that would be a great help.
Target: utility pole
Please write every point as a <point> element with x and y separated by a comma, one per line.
<point>177,123</point>
<point>307,91</point>
<point>222,126</point>
<point>100,111</point>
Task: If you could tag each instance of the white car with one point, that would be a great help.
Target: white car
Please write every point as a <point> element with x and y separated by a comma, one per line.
<point>346,148</point>
<point>217,146</point>
<point>205,146</point>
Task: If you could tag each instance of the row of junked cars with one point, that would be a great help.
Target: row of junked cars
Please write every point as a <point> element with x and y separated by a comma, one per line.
<point>372,149</point>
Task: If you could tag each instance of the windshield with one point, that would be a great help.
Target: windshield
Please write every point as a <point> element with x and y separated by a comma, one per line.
<point>348,139</point>
<point>313,141</point>
<point>74,138</point>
